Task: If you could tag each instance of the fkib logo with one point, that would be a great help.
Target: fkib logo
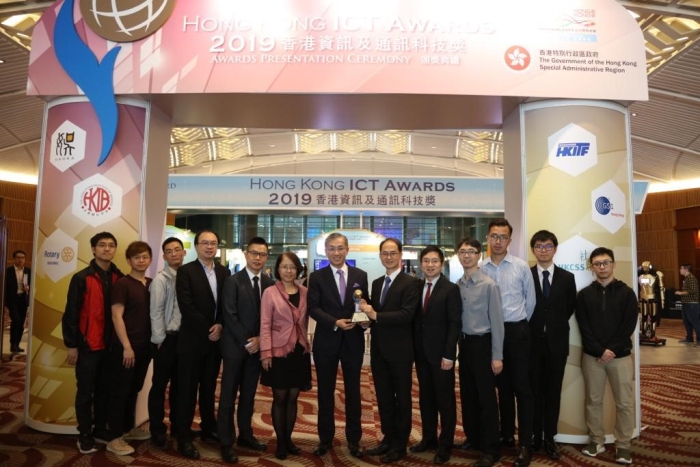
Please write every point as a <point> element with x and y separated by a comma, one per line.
<point>573,150</point>
<point>609,206</point>
<point>97,200</point>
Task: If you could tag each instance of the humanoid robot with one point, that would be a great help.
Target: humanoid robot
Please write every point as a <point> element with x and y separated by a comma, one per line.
<point>651,302</point>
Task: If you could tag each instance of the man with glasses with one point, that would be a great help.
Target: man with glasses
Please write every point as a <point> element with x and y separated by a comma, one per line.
<point>337,339</point>
<point>549,332</point>
<point>438,320</point>
<point>240,345</point>
<point>165,325</point>
<point>87,331</point>
<point>606,312</point>
<point>517,288</point>
<point>480,354</point>
<point>395,297</point>
<point>199,287</point>
<point>17,298</point>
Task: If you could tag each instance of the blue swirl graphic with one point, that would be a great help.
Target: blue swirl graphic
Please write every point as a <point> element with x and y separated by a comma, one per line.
<point>96,79</point>
<point>603,206</point>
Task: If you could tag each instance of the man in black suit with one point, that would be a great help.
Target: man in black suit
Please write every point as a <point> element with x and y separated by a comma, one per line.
<point>17,298</point>
<point>199,287</point>
<point>240,345</point>
<point>437,325</point>
<point>337,339</point>
<point>395,297</point>
<point>555,289</point>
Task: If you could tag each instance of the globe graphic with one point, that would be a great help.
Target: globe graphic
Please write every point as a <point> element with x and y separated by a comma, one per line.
<point>126,20</point>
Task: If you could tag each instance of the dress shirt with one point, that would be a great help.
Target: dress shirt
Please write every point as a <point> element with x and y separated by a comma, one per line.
<point>481,310</point>
<point>540,270</point>
<point>336,277</point>
<point>425,289</point>
<point>514,279</point>
<point>251,275</point>
<point>392,276</point>
<point>211,277</point>
<point>19,273</point>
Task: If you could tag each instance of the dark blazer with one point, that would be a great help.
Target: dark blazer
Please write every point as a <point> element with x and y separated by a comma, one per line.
<point>326,307</point>
<point>392,332</point>
<point>437,331</point>
<point>555,311</point>
<point>11,287</point>
<point>197,305</point>
<point>240,314</point>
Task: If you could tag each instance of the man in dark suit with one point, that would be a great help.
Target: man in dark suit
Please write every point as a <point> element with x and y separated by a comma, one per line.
<point>199,287</point>
<point>337,339</point>
<point>395,297</point>
<point>555,289</point>
<point>437,325</point>
<point>17,298</point>
<point>240,345</point>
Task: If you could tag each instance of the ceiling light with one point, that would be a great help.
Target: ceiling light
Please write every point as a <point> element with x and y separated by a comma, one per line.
<point>2,61</point>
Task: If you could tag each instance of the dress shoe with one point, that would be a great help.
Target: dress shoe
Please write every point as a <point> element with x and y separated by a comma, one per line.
<point>293,449</point>
<point>228,454</point>
<point>281,454</point>
<point>188,450</point>
<point>551,448</point>
<point>378,450</point>
<point>524,457</point>
<point>487,460</point>
<point>355,450</point>
<point>210,437</point>
<point>536,445</point>
<point>465,446</point>
<point>195,433</point>
<point>443,455</point>
<point>508,441</point>
<point>423,445</point>
<point>392,456</point>
<point>322,449</point>
<point>250,442</point>
<point>160,440</point>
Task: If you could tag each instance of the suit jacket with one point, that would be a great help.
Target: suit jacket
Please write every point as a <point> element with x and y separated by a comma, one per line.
<point>240,314</point>
<point>437,331</point>
<point>554,312</point>
<point>392,332</point>
<point>326,307</point>
<point>11,287</point>
<point>198,308</point>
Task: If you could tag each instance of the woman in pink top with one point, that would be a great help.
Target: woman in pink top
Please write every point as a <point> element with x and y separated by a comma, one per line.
<point>284,348</point>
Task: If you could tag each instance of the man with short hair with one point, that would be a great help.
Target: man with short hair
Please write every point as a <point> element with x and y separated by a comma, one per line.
<point>606,311</point>
<point>517,288</point>
<point>555,290</point>
<point>199,286</point>
<point>395,297</point>
<point>165,324</point>
<point>436,327</point>
<point>17,279</point>
<point>240,345</point>
<point>87,331</point>
<point>331,303</point>
<point>690,301</point>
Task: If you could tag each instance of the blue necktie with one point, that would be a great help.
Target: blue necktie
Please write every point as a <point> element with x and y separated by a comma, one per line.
<point>545,284</point>
<point>387,283</point>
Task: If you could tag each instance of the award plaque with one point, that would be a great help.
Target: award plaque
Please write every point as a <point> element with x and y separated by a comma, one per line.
<point>358,316</point>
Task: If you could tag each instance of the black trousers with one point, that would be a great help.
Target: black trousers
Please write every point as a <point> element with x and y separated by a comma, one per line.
<point>477,392</point>
<point>239,376</point>
<point>392,382</point>
<point>92,375</point>
<point>197,371</point>
<point>327,376</point>
<point>514,380</point>
<point>18,315</point>
<point>124,388</point>
<point>436,396</point>
<point>164,372</point>
<point>546,374</point>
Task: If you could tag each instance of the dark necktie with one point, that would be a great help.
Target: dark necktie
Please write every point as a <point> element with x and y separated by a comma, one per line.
<point>341,284</point>
<point>427,297</point>
<point>256,291</point>
<point>545,284</point>
<point>387,282</point>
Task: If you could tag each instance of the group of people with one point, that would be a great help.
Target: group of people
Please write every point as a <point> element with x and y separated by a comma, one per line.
<point>506,324</point>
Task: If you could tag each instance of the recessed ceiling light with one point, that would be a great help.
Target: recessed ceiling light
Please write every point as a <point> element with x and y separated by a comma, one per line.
<point>272,145</point>
<point>2,61</point>
<point>634,114</point>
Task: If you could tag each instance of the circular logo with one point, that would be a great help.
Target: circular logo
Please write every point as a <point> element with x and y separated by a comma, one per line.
<point>129,21</point>
<point>96,200</point>
<point>517,58</point>
<point>603,206</point>
<point>67,254</point>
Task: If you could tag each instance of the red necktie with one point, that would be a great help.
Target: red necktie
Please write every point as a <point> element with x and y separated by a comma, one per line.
<point>427,297</point>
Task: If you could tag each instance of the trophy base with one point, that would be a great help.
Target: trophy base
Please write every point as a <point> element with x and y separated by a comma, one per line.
<point>359,317</point>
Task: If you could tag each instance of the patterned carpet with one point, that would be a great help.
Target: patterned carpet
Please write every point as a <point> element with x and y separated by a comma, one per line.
<point>670,415</point>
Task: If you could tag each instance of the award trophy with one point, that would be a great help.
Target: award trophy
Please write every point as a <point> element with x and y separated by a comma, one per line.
<point>358,316</point>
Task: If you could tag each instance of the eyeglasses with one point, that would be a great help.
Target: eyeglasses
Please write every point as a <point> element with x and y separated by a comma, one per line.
<point>389,254</point>
<point>106,245</point>
<point>288,267</point>
<point>547,247</point>
<point>467,252</point>
<point>431,261</point>
<point>601,264</point>
<point>212,243</point>
<point>496,238</point>
<point>333,249</point>
<point>257,254</point>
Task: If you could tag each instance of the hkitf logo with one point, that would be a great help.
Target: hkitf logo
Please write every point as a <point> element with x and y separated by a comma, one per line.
<point>573,150</point>
<point>609,206</point>
<point>97,200</point>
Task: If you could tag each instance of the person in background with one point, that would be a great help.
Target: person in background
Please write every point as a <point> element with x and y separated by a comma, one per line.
<point>690,301</point>
<point>17,279</point>
<point>87,332</point>
<point>284,349</point>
